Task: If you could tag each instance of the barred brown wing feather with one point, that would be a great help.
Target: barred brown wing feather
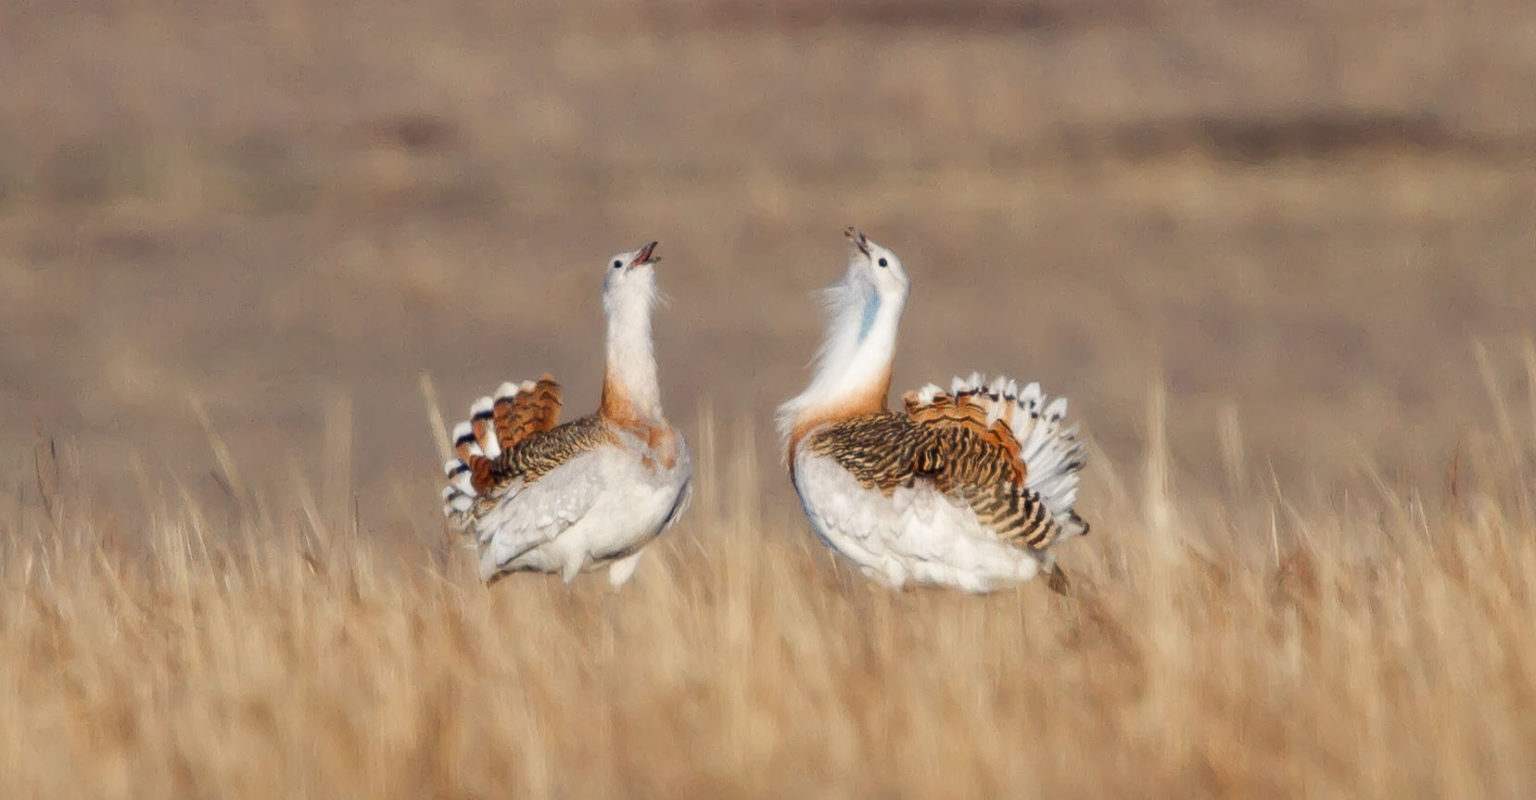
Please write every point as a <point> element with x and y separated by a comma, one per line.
<point>881,451</point>
<point>983,463</point>
<point>539,453</point>
<point>959,415</point>
<point>951,447</point>
<point>526,410</point>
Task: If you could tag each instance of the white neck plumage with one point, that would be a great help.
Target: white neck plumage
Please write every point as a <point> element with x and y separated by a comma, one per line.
<point>630,390</point>
<point>853,372</point>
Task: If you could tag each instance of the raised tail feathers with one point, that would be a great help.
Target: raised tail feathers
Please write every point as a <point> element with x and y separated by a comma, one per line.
<point>495,425</point>
<point>522,410</point>
<point>469,475</point>
<point>1027,422</point>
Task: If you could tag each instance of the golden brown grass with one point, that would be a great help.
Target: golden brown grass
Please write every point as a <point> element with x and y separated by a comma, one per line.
<point>1384,649</point>
<point>1295,215</point>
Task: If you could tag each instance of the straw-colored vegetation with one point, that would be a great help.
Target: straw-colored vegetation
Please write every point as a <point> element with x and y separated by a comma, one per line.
<point>1383,650</point>
<point>234,235</point>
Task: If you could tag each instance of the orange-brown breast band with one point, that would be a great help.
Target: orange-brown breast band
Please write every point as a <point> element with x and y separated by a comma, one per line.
<point>870,401</point>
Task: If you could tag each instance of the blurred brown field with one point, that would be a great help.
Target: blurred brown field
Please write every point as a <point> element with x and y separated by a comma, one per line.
<point>1280,256</point>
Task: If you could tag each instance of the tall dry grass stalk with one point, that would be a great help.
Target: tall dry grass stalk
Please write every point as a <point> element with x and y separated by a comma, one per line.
<point>1254,649</point>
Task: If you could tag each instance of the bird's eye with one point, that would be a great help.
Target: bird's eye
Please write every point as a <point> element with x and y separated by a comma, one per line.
<point>617,264</point>
<point>884,263</point>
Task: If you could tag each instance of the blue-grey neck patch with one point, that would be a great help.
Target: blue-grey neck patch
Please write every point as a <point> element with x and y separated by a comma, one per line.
<point>871,308</point>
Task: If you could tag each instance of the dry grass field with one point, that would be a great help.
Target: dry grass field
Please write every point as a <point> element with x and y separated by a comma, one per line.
<point>1281,256</point>
<point>275,655</point>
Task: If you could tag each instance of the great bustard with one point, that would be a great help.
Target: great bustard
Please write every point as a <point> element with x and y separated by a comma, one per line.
<point>543,497</point>
<point>970,488</point>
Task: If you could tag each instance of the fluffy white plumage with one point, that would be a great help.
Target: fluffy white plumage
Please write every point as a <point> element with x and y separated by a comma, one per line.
<point>863,311</point>
<point>596,509</point>
<point>915,534</point>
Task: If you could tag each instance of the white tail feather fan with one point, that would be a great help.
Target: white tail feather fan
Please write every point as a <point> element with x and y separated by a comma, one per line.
<point>1051,453</point>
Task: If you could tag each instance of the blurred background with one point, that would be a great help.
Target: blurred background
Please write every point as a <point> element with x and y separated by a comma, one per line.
<point>1300,218</point>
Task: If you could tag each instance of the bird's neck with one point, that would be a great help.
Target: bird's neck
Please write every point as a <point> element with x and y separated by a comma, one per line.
<point>854,375</point>
<point>631,394</point>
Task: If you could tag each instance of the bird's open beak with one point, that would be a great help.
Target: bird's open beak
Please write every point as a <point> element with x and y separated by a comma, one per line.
<point>645,257</point>
<point>858,239</point>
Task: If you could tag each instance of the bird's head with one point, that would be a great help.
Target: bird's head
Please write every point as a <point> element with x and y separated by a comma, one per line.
<point>876,265</point>
<point>630,275</point>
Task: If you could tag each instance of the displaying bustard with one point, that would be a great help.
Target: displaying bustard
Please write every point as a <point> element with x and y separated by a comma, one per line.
<point>563,498</point>
<point>970,488</point>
